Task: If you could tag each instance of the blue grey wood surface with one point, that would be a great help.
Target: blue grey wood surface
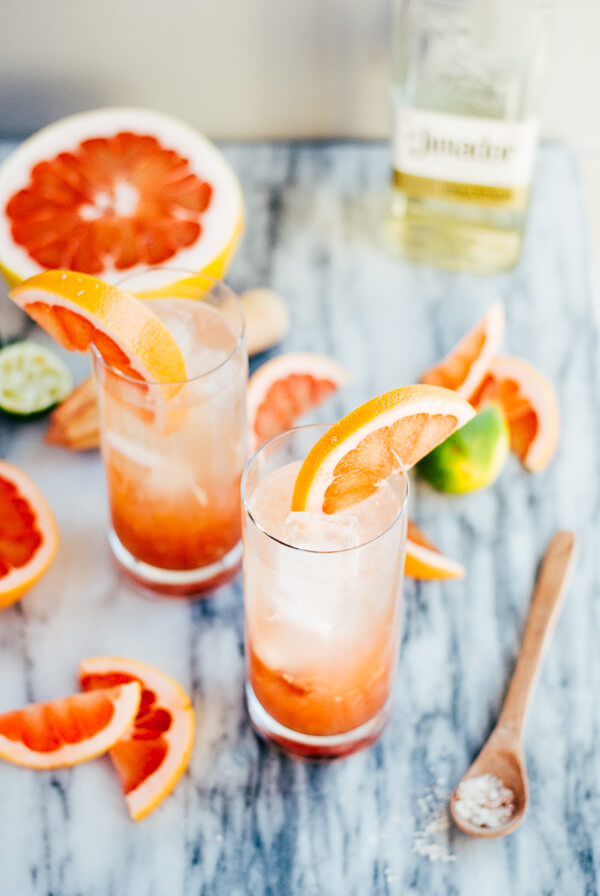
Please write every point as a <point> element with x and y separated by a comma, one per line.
<point>246,820</point>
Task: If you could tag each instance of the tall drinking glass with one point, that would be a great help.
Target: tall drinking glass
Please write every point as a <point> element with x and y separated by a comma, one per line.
<point>322,606</point>
<point>174,452</point>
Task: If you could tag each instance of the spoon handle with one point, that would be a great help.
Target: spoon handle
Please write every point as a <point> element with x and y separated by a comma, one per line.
<point>546,604</point>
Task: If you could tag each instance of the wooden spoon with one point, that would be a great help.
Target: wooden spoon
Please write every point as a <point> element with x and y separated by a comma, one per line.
<point>502,755</point>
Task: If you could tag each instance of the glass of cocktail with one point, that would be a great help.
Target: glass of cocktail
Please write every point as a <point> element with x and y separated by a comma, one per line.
<point>174,452</point>
<point>322,605</point>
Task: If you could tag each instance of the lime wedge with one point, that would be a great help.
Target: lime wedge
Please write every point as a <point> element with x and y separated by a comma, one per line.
<point>32,378</point>
<point>472,457</point>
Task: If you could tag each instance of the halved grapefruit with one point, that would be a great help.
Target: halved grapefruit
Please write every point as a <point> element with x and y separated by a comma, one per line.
<point>28,534</point>
<point>79,311</point>
<point>154,752</point>
<point>464,368</point>
<point>530,405</point>
<point>359,452</point>
<point>424,561</point>
<point>70,730</point>
<point>114,191</point>
<point>287,386</point>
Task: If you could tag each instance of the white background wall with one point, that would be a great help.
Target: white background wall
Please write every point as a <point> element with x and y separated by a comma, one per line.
<point>255,68</point>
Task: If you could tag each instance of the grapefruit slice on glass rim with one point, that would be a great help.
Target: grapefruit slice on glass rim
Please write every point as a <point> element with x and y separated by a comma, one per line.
<point>28,534</point>
<point>464,368</point>
<point>287,386</point>
<point>114,191</point>
<point>152,755</point>
<point>424,561</point>
<point>358,453</point>
<point>79,311</point>
<point>70,730</point>
<point>530,405</point>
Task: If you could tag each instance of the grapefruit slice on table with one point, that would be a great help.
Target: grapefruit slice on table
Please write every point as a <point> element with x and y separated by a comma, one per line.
<point>287,386</point>
<point>114,191</point>
<point>359,452</point>
<point>464,368</point>
<point>530,405</point>
<point>70,730</point>
<point>28,534</point>
<point>424,561</point>
<point>80,311</point>
<point>154,752</point>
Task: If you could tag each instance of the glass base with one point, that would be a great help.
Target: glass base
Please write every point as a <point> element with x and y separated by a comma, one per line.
<point>310,746</point>
<point>172,582</point>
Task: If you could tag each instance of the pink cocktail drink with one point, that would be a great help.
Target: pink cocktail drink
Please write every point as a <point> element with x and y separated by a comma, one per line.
<point>322,604</point>
<point>174,453</point>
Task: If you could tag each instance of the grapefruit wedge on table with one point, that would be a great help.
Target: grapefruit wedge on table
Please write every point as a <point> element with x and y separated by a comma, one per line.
<point>530,405</point>
<point>464,368</point>
<point>287,386</point>
<point>154,752</point>
<point>70,730</point>
<point>114,191</point>
<point>424,561</point>
<point>356,454</point>
<point>79,311</point>
<point>28,534</point>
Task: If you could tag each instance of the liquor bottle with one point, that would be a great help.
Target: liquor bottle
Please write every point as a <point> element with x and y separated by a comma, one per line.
<point>466,83</point>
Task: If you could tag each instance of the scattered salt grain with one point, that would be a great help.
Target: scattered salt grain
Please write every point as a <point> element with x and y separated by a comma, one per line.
<point>484,801</point>
<point>431,841</point>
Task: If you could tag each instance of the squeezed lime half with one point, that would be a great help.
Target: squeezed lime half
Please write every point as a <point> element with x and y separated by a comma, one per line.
<point>32,378</point>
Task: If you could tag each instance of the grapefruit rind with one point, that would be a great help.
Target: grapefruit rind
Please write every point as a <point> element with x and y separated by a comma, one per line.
<point>318,469</point>
<point>180,736</point>
<point>20,579</point>
<point>222,222</point>
<point>126,701</point>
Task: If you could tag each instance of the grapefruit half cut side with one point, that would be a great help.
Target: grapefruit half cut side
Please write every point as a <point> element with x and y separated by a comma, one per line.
<point>28,534</point>
<point>114,191</point>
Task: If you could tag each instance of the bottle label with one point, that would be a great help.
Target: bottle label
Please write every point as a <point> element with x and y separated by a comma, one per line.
<point>458,158</point>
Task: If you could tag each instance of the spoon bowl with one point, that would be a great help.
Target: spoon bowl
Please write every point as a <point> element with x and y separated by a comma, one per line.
<point>506,763</point>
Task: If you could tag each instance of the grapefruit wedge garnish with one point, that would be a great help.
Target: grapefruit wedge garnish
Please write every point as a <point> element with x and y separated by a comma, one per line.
<point>114,191</point>
<point>69,730</point>
<point>80,311</point>
<point>28,534</point>
<point>359,452</point>
<point>424,561</point>
<point>464,368</point>
<point>151,756</point>
<point>287,386</point>
<point>530,405</point>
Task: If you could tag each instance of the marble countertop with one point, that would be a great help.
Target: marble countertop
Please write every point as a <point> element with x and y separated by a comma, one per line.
<point>245,821</point>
